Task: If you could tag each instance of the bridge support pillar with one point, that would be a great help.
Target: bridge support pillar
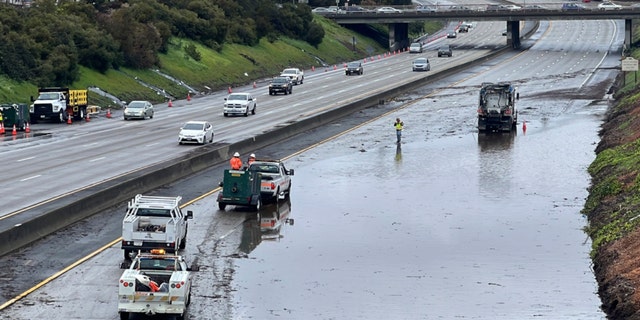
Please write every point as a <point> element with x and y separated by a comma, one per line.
<point>398,36</point>
<point>628,34</point>
<point>513,34</point>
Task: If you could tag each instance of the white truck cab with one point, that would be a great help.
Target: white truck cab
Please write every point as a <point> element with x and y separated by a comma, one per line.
<point>275,179</point>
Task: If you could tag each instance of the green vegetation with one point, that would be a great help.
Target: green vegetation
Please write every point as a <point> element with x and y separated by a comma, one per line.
<point>613,205</point>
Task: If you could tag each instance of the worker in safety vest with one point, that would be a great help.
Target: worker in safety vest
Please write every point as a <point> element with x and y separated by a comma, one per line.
<point>251,159</point>
<point>398,125</point>
<point>236,162</point>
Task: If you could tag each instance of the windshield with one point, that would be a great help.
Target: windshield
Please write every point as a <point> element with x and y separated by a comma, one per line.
<point>156,264</point>
<point>237,97</point>
<point>48,96</point>
<point>280,80</point>
<point>147,212</point>
<point>421,60</point>
<point>193,126</point>
<point>354,65</point>
<point>136,105</point>
<point>416,45</point>
<point>289,71</point>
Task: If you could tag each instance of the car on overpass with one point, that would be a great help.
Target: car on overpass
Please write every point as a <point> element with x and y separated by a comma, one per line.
<point>421,64</point>
<point>570,6</point>
<point>388,10</point>
<point>607,5</point>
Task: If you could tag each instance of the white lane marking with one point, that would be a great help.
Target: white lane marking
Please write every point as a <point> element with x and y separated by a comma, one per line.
<point>32,177</point>
<point>97,159</point>
<point>25,159</point>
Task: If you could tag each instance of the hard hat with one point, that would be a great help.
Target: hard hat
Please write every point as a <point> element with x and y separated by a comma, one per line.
<point>236,154</point>
<point>252,156</point>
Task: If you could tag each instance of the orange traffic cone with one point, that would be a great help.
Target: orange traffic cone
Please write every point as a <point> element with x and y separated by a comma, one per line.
<point>87,119</point>
<point>335,67</point>
<point>313,68</point>
<point>27,129</point>
<point>254,85</point>
<point>14,132</point>
<point>1,127</point>
<point>69,119</point>
<point>188,96</point>
<point>524,126</point>
<point>109,113</point>
<point>229,90</point>
<point>170,103</point>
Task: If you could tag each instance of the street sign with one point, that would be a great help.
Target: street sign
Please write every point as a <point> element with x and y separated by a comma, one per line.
<point>629,64</point>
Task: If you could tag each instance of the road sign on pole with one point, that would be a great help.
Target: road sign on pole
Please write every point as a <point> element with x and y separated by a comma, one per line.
<point>629,64</point>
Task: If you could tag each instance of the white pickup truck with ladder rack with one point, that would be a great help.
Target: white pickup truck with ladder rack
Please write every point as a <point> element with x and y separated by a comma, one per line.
<point>154,222</point>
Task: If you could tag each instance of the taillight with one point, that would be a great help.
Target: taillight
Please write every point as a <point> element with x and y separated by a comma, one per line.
<point>507,112</point>
<point>480,110</point>
<point>273,186</point>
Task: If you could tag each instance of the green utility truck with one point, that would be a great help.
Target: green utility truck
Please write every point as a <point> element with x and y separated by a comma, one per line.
<point>15,114</point>
<point>240,188</point>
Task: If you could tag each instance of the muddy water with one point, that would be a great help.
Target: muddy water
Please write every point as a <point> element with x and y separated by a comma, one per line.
<point>447,226</point>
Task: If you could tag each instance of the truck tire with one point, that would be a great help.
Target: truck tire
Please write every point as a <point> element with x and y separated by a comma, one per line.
<point>81,114</point>
<point>61,116</point>
<point>253,111</point>
<point>221,205</point>
<point>124,315</point>
<point>127,255</point>
<point>258,205</point>
<point>183,243</point>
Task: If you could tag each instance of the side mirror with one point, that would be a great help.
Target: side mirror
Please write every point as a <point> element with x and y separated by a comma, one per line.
<point>189,215</point>
<point>290,172</point>
<point>125,265</point>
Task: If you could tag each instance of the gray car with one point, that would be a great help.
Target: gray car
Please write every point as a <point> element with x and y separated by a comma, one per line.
<point>421,64</point>
<point>138,109</point>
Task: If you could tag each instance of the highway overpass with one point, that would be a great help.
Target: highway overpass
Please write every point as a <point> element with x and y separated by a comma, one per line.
<point>398,22</point>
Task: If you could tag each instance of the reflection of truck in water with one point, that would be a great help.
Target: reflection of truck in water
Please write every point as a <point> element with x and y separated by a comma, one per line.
<point>59,104</point>
<point>497,107</point>
<point>273,217</point>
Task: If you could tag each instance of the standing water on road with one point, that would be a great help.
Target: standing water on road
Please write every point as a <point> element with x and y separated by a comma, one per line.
<point>460,226</point>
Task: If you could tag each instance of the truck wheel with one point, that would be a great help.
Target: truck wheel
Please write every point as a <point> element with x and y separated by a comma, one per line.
<point>258,205</point>
<point>127,255</point>
<point>124,315</point>
<point>81,115</point>
<point>254,109</point>
<point>183,243</point>
<point>246,113</point>
<point>221,205</point>
<point>61,116</point>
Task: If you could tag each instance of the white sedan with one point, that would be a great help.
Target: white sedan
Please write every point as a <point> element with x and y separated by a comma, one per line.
<point>199,132</point>
<point>388,10</point>
<point>609,6</point>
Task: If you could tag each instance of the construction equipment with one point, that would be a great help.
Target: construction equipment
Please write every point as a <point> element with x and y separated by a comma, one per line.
<point>15,114</point>
<point>240,188</point>
<point>59,104</point>
<point>497,107</point>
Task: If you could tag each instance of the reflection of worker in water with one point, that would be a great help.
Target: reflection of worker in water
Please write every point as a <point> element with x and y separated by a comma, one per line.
<point>398,125</point>
<point>398,153</point>
<point>236,162</point>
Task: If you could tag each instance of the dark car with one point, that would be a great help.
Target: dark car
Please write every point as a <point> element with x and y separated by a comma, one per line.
<point>569,6</point>
<point>452,34</point>
<point>280,84</point>
<point>445,50</point>
<point>354,68</point>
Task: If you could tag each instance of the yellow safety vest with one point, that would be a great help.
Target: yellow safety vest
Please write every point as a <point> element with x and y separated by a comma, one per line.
<point>398,126</point>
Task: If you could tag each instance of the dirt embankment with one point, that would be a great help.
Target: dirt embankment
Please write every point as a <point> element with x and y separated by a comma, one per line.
<point>612,209</point>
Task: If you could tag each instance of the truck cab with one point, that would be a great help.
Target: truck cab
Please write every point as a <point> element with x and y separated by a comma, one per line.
<point>275,179</point>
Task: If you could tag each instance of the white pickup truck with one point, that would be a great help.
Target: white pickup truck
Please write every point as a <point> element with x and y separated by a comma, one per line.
<point>154,222</point>
<point>296,75</point>
<point>155,283</point>
<point>275,179</point>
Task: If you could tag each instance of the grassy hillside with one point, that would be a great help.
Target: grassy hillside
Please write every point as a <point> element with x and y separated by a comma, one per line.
<point>215,70</point>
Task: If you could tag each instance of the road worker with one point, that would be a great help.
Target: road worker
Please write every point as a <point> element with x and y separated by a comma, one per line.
<point>399,126</point>
<point>236,162</point>
<point>251,159</point>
